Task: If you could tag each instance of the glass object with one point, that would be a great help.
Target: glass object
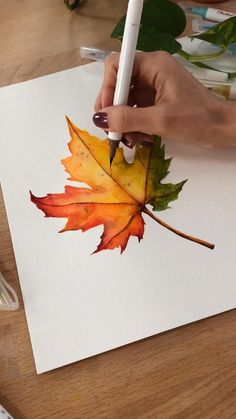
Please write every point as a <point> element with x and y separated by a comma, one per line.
<point>8,297</point>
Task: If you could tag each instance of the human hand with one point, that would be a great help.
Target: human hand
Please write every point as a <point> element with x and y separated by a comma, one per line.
<point>170,103</point>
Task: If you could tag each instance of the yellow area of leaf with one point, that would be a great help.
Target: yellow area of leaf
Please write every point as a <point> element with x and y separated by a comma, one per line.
<point>89,163</point>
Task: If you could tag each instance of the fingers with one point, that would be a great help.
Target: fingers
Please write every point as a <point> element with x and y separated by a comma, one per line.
<point>130,139</point>
<point>147,76</point>
<point>155,85</point>
<point>127,119</point>
<point>161,92</point>
<point>106,94</point>
<point>97,105</point>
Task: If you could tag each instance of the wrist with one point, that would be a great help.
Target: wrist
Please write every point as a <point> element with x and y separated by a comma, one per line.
<point>222,128</point>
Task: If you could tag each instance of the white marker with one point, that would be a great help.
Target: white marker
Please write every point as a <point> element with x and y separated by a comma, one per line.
<point>95,54</point>
<point>8,297</point>
<point>210,13</point>
<point>126,63</point>
<point>224,90</point>
<point>4,414</point>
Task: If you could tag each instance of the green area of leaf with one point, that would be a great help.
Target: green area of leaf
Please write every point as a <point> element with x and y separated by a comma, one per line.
<point>161,22</point>
<point>222,35</point>
<point>160,194</point>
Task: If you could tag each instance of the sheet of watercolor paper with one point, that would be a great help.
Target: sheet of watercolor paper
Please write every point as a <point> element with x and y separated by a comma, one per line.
<point>78,304</point>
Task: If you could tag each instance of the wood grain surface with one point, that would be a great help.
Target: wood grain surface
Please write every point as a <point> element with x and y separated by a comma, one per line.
<point>186,373</point>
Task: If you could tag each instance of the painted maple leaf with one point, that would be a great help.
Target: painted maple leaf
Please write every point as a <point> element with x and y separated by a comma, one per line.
<point>116,197</point>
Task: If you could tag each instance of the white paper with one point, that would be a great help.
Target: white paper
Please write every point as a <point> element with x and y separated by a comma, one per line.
<point>78,304</point>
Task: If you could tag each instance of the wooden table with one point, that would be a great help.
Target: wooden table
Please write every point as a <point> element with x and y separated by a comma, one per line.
<point>186,373</point>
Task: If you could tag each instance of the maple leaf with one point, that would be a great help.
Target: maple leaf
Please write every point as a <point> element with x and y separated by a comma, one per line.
<point>116,197</point>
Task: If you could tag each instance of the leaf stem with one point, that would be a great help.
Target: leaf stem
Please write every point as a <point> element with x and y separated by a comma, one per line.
<point>204,65</point>
<point>184,54</point>
<point>196,58</point>
<point>178,232</point>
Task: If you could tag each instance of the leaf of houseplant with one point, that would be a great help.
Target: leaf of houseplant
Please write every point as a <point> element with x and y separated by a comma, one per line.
<point>222,35</point>
<point>150,40</point>
<point>164,16</point>
<point>161,21</point>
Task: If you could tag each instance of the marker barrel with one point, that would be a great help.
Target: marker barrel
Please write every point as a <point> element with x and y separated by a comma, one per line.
<point>127,55</point>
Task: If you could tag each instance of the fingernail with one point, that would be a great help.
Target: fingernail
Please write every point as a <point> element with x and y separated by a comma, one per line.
<point>127,143</point>
<point>100,119</point>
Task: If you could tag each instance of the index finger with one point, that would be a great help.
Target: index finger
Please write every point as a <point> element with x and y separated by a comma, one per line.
<point>106,94</point>
<point>144,74</point>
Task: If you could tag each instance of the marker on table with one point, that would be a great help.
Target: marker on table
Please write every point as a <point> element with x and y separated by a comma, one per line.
<point>4,414</point>
<point>126,63</point>
<point>224,90</point>
<point>8,297</point>
<point>95,54</point>
<point>209,13</point>
<point>216,81</point>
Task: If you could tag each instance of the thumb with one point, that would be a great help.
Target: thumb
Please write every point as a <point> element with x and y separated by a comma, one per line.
<point>122,118</point>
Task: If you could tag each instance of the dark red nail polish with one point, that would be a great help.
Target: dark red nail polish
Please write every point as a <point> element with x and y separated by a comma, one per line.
<point>100,119</point>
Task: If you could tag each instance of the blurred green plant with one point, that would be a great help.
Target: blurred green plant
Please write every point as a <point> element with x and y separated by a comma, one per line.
<point>162,21</point>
